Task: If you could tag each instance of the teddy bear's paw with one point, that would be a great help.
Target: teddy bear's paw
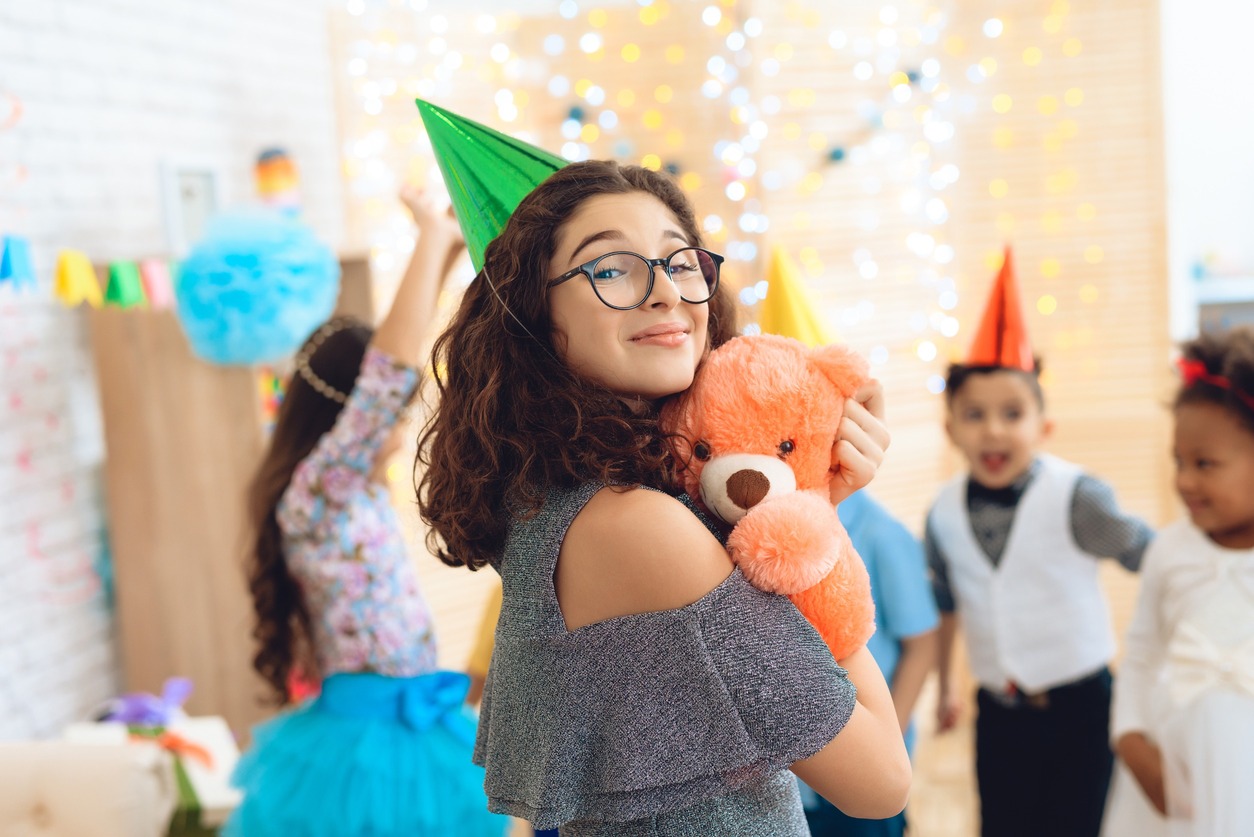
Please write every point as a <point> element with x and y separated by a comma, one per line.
<point>787,544</point>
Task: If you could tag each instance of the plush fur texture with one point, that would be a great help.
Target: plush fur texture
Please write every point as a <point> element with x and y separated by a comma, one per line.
<point>755,433</point>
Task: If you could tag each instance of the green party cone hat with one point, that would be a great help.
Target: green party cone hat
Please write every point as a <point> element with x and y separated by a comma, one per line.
<point>487,173</point>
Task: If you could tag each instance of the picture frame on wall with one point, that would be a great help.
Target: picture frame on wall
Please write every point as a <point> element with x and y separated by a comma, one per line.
<point>193,191</point>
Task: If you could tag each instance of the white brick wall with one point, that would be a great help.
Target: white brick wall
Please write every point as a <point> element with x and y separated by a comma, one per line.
<point>110,90</point>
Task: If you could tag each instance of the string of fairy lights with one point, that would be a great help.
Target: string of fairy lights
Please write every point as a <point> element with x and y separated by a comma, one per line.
<point>587,69</point>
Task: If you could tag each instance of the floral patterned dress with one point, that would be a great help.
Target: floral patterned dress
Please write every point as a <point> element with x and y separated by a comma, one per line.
<point>344,543</point>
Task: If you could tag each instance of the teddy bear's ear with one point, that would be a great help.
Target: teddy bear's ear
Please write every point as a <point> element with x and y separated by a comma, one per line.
<point>844,367</point>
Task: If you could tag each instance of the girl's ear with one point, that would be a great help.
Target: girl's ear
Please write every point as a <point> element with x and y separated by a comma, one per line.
<point>841,365</point>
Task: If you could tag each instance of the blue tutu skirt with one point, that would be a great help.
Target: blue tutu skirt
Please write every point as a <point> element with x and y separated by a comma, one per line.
<point>371,756</point>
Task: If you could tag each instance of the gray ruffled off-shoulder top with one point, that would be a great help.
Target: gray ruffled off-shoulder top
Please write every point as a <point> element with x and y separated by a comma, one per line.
<point>675,722</point>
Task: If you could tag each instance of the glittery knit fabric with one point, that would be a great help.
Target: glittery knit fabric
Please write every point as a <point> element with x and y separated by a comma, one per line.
<point>669,723</point>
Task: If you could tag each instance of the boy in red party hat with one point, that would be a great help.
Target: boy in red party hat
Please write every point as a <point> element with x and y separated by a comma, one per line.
<point>1013,547</point>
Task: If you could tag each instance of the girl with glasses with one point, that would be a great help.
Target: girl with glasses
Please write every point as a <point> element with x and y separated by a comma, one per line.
<point>639,684</point>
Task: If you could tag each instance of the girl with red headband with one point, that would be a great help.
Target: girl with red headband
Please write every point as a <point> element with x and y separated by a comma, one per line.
<point>1184,701</point>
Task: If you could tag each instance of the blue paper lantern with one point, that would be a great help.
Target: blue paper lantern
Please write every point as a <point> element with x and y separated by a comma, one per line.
<point>255,287</point>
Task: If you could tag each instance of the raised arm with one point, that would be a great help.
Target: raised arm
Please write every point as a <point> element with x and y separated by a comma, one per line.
<point>403,332</point>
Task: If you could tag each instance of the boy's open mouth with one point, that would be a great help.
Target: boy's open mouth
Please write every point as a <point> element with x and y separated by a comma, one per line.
<point>994,461</point>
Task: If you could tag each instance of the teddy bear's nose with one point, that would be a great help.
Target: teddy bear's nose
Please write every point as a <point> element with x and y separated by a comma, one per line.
<point>747,487</point>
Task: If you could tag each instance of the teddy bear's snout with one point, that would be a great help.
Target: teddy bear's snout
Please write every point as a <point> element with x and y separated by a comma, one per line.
<point>746,488</point>
<point>734,483</point>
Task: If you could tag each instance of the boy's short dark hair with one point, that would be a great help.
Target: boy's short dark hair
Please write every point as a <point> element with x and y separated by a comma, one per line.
<point>959,373</point>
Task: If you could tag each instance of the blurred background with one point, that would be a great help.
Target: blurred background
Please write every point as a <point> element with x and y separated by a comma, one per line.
<point>890,149</point>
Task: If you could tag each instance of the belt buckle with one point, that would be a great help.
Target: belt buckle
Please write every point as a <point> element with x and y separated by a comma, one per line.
<point>1034,700</point>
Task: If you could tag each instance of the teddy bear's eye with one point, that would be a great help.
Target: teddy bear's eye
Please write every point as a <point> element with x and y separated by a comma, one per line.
<point>701,450</point>
<point>786,447</point>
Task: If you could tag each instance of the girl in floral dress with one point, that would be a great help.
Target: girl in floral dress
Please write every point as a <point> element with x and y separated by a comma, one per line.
<point>385,748</point>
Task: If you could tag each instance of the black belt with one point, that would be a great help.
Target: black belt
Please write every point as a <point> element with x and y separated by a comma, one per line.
<point>1015,696</point>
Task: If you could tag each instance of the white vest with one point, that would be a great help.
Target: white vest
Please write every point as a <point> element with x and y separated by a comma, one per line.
<point>1039,619</point>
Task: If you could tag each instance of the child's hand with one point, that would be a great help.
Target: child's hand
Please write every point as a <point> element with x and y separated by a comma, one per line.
<point>1145,763</point>
<point>860,441</point>
<point>432,219</point>
<point>948,711</point>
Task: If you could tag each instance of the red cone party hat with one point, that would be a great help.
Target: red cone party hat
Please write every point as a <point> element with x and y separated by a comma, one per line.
<point>1002,338</point>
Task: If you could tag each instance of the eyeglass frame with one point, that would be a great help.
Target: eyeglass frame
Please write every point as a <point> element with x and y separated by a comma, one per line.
<point>586,270</point>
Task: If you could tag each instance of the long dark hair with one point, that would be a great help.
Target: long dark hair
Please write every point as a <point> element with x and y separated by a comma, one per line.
<point>281,627</point>
<point>1227,355</point>
<point>512,419</point>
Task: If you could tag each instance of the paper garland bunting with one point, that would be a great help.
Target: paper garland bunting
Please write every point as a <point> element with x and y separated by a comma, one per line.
<point>149,282</point>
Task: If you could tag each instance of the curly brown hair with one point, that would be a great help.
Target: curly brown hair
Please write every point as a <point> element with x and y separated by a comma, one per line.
<point>513,420</point>
<point>1228,355</point>
<point>281,622</point>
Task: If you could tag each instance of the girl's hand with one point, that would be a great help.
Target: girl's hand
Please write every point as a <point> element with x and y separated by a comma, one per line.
<point>433,220</point>
<point>860,441</point>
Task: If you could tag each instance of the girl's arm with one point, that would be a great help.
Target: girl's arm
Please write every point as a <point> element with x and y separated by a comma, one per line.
<point>403,332</point>
<point>1143,651</point>
<point>1145,763</point>
<point>864,771</point>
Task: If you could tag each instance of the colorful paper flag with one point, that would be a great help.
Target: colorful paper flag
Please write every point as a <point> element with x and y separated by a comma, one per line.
<point>158,288</point>
<point>15,261</point>
<point>75,281</point>
<point>125,289</point>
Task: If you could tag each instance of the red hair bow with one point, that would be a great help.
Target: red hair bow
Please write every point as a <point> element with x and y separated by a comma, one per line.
<point>1194,371</point>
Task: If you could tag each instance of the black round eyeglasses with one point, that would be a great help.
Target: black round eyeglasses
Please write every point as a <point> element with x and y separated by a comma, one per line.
<point>623,280</point>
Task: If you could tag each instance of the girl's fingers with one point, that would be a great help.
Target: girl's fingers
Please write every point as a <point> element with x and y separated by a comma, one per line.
<point>863,442</point>
<point>871,424</point>
<point>871,396</point>
<point>853,471</point>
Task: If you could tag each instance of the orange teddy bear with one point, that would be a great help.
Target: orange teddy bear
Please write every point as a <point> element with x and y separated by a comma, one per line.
<point>754,436</point>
